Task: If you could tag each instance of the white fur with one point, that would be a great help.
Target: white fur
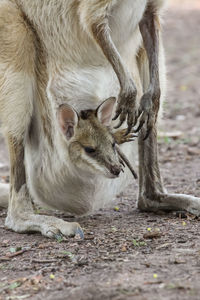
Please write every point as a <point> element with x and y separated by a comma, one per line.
<point>16,99</point>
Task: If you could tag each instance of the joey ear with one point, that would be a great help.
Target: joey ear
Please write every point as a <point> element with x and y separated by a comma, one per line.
<point>67,119</point>
<point>104,111</point>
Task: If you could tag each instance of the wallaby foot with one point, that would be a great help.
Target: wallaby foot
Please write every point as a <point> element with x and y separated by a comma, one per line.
<point>170,202</point>
<point>152,195</point>
<point>21,218</point>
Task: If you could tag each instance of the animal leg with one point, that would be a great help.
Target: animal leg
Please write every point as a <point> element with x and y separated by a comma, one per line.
<point>95,17</point>
<point>17,97</point>
<point>150,101</point>
<point>152,194</point>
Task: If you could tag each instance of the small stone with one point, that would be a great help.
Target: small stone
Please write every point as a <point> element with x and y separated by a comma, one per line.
<point>51,276</point>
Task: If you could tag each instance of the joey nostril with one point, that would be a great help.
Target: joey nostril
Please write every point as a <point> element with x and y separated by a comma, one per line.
<point>115,170</point>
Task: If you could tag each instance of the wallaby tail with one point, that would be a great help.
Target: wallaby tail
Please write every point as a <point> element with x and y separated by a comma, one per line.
<point>4,194</point>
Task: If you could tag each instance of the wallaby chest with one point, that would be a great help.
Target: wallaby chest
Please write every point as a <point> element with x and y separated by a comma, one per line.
<point>124,19</point>
<point>67,41</point>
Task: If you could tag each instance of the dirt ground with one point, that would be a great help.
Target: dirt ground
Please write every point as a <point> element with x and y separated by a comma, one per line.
<point>127,254</point>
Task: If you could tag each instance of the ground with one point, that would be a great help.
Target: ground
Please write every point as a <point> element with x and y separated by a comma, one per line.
<point>127,254</point>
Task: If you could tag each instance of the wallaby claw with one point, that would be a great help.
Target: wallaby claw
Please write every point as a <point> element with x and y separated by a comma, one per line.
<point>122,118</point>
<point>117,113</point>
<point>148,118</point>
<point>126,108</point>
<point>147,114</point>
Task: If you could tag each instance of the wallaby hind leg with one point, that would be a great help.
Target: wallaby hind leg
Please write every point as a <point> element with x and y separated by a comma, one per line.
<point>152,195</point>
<point>17,95</point>
<point>21,217</point>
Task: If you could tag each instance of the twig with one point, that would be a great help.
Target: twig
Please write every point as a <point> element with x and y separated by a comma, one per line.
<point>44,261</point>
<point>153,282</point>
<point>4,258</point>
<point>126,161</point>
<point>9,256</point>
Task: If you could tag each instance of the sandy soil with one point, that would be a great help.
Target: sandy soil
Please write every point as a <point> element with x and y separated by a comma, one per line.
<point>127,254</point>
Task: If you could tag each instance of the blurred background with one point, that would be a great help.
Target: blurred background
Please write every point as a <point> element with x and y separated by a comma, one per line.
<point>180,129</point>
<point>114,261</point>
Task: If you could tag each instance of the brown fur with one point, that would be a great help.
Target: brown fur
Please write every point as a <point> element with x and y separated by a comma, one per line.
<point>19,49</point>
<point>17,170</point>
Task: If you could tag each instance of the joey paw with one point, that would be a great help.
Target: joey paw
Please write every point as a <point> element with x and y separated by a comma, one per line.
<point>122,136</point>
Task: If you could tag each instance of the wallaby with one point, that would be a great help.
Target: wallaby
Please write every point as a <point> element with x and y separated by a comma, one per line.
<point>59,60</point>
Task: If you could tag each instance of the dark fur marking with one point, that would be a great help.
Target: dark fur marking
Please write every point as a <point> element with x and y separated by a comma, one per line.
<point>85,114</point>
<point>17,170</point>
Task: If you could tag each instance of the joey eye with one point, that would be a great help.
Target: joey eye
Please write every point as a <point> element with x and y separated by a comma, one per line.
<point>113,145</point>
<point>89,149</point>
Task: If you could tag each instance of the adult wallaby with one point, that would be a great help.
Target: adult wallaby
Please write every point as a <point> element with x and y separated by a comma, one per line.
<point>59,60</point>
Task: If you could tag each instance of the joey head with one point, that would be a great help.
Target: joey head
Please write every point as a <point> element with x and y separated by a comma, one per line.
<point>91,144</point>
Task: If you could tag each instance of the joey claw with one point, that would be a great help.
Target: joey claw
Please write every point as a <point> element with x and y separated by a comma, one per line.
<point>121,137</point>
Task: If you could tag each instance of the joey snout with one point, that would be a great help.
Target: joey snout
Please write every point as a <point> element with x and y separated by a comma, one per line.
<point>115,170</point>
